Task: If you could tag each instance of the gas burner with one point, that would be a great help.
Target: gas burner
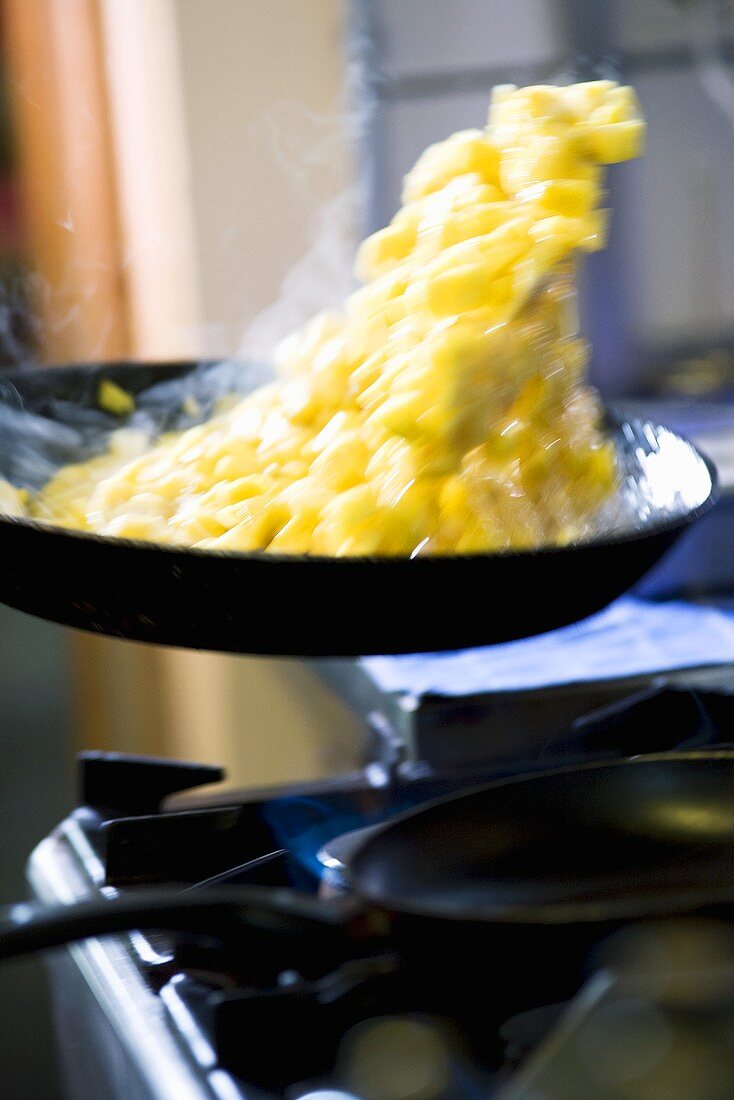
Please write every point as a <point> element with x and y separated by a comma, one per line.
<point>200,1017</point>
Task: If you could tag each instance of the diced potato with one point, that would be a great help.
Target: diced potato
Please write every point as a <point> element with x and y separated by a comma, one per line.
<point>400,413</point>
<point>296,536</point>
<point>473,222</point>
<point>617,141</point>
<point>551,157</point>
<point>114,399</point>
<point>575,198</point>
<point>341,464</point>
<point>587,96</point>
<point>458,290</point>
<point>469,151</point>
<point>12,501</point>
<point>384,250</point>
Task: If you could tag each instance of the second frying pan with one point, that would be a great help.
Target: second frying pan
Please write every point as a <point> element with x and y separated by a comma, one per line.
<point>612,841</point>
<point>310,606</point>
<point>530,872</point>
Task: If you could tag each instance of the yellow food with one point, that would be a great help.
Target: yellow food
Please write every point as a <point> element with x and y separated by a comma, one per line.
<point>113,399</point>
<point>13,502</point>
<point>446,409</point>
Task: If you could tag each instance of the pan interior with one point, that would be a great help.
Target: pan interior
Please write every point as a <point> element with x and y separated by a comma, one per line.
<point>571,845</point>
<point>51,418</point>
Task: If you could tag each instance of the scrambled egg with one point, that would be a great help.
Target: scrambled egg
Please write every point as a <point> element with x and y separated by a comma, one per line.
<point>445,410</point>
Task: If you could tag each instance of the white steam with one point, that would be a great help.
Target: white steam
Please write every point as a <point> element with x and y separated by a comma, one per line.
<point>304,143</point>
<point>321,279</point>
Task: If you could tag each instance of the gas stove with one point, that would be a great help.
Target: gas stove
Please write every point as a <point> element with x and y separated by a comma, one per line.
<point>158,1016</point>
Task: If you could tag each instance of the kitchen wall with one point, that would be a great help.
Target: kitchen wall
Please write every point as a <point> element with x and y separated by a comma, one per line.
<point>679,226</point>
<point>266,116</point>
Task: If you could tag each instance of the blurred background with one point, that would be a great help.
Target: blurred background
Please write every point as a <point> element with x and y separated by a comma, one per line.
<point>188,178</point>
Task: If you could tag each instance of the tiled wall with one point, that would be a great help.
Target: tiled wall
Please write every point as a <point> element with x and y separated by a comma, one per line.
<point>668,279</point>
<point>657,25</point>
<point>422,36</point>
<point>679,224</point>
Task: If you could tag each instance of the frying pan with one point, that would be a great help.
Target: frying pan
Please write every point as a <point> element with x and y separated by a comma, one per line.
<point>308,605</point>
<point>537,868</point>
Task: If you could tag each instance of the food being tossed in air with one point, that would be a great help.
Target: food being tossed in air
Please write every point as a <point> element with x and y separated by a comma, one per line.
<point>445,411</point>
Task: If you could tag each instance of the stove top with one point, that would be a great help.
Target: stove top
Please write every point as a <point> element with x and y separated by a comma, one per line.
<point>153,1016</point>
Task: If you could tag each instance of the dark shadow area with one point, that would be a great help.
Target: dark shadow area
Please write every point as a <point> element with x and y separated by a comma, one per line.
<point>35,786</point>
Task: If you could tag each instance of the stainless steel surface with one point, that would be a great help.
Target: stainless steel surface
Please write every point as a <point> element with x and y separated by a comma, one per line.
<point>58,874</point>
<point>412,734</point>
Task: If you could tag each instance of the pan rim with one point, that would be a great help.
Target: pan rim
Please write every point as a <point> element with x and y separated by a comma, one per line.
<point>666,903</point>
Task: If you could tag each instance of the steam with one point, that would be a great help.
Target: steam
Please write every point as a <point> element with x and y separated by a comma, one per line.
<point>53,422</point>
<point>302,143</point>
<point>321,279</point>
<point>17,321</point>
<point>34,446</point>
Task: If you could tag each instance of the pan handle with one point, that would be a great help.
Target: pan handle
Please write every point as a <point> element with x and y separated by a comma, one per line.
<point>269,917</point>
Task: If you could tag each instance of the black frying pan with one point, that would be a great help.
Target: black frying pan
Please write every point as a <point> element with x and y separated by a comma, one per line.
<point>262,603</point>
<point>537,868</point>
